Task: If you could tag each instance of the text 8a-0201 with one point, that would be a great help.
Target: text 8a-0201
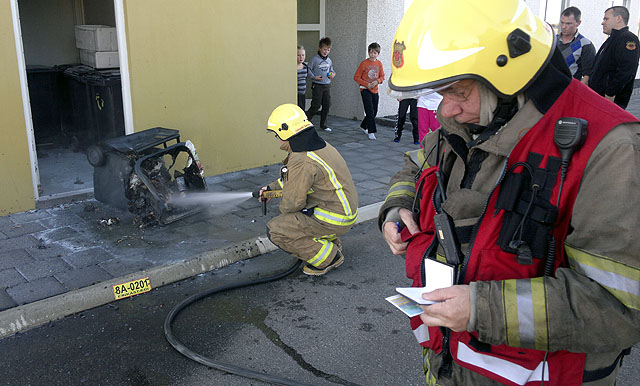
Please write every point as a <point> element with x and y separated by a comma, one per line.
<point>134,287</point>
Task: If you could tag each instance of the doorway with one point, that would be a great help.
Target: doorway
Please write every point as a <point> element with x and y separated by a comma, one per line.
<point>74,92</point>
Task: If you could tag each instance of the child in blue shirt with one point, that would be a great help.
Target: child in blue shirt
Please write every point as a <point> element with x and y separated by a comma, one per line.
<point>321,72</point>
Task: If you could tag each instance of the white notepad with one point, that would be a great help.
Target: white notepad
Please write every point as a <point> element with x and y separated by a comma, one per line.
<point>437,275</point>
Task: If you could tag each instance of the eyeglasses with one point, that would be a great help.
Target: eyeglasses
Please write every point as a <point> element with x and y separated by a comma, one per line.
<point>456,93</point>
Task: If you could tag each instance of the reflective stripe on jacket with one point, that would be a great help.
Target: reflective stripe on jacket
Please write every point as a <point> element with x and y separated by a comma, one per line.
<point>319,180</point>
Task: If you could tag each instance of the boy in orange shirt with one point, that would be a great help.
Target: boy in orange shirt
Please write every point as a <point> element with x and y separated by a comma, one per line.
<point>369,75</point>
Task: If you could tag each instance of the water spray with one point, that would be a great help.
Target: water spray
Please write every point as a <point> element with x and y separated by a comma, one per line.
<point>210,198</point>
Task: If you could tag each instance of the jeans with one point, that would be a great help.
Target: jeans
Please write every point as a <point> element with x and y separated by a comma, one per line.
<point>370,103</point>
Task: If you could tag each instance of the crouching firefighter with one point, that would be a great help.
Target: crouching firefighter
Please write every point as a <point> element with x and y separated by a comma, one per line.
<point>528,191</point>
<point>319,200</point>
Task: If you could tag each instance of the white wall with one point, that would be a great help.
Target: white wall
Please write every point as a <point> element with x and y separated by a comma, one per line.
<point>383,18</point>
<point>346,25</point>
<point>352,26</point>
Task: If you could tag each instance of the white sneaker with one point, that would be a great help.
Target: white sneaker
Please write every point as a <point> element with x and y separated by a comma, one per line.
<point>365,131</point>
<point>327,129</point>
<point>372,136</point>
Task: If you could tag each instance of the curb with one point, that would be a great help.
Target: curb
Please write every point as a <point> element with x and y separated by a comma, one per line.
<point>28,316</point>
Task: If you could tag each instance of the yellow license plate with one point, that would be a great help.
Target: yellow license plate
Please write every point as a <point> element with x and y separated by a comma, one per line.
<point>130,288</point>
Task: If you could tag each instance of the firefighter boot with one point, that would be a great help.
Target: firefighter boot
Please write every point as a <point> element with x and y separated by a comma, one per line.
<point>337,261</point>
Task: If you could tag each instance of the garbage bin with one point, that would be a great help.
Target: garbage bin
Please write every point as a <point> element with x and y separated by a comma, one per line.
<point>140,172</point>
<point>106,93</point>
<point>45,95</point>
<point>96,105</point>
<point>81,128</point>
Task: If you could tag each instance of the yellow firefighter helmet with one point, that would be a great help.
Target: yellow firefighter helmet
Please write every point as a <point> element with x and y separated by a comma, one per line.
<point>288,120</point>
<point>500,43</point>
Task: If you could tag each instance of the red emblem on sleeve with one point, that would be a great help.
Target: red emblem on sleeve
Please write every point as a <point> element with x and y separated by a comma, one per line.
<point>631,46</point>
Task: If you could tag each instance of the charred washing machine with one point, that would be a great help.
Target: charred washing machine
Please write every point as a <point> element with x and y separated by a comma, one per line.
<point>143,172</point>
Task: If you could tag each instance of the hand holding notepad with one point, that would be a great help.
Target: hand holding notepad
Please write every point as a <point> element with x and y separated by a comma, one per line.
<point>437,275</point>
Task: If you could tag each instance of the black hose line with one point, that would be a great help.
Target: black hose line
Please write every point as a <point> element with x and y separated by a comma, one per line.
<point>184,350</point>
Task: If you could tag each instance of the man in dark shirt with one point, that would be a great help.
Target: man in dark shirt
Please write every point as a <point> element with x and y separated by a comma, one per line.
<point>578,51</point>
<point>617,60</point>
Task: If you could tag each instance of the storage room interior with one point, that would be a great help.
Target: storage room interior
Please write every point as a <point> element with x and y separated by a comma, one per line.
<point>73,105</point>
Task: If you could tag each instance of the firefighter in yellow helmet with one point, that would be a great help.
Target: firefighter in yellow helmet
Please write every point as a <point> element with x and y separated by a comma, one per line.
<point>527,194</point>
<point>319,200</point>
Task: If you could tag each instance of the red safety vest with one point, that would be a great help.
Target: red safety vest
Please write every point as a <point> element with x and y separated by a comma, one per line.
<point>487,261</point>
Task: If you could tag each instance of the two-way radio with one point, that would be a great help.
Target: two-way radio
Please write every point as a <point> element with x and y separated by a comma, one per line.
<point>568,135</point>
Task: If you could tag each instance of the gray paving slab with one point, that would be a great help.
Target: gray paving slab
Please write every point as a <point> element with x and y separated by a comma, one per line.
<point>32,215</point>
<point>44,251</point>
<point>21,229</point>
<point>11,277</point>
<point>60,218</point>
<point>33,271</point>
<point>122,266</point>
<point>20,242</point>
<point>6,220</point>
<point>82,277</point>
<point>88,257</point>
<point>57,234</point>
<point>6,301</point>
<point>36,290</point>
<point>15,258</point>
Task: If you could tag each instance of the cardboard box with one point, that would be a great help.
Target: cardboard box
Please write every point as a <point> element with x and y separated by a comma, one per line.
<point>100,59</point>
<point>96,38</point>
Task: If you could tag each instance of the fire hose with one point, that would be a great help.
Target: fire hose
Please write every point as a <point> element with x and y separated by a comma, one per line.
<point>228,368</point>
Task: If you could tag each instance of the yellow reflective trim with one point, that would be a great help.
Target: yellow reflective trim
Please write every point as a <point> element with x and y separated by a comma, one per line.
<point>525,312</point>
<point>417,157</point>
<point>334,218</point>
<point>441,258</point>
<point>334,181</point>
<point>323,253</point>
<point>399,193</point>
<point>621,280</point>
<point>539,300</point>
<point>430,379</point>
<point>510,304</point>
<point>404,185</point>
<point>280,182</point>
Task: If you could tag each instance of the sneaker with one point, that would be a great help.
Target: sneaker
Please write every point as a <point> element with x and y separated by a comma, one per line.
<point>396,140</point>
<point>327,129</point>
<point>365,131</point>
<point>314,271</point>
<point>372,136</point>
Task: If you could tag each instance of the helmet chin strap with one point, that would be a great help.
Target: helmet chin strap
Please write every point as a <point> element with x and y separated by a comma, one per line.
<point>505,110</point>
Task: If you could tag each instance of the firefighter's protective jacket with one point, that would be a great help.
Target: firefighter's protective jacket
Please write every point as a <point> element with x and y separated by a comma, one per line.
<point>592,303</point>
<point>319,180</point>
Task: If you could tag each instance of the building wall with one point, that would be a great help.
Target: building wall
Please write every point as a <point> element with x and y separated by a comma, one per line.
<point>215,71</point>
<point>346,25</point>
<point>352,26</point>
<point>383,18</point>
<point>16,191</point>
<point>45,43</point>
